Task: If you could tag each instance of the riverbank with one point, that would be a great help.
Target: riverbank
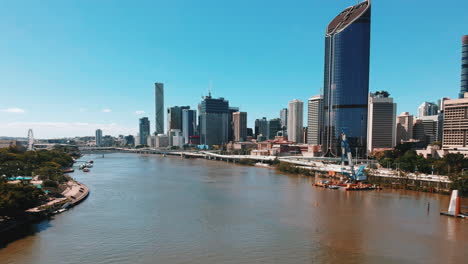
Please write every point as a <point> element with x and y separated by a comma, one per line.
<point>296,165</point>
<point>201,211</point>
<point>74,194</point>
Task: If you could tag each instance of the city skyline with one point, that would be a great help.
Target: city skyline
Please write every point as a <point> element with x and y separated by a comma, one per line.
<point>61,113</point>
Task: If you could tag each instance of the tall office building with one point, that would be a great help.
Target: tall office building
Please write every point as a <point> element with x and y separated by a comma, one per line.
<point>314,120</point>
<point>232,110</point>
<point>144,130</point>
<point>274,126</point>
<point>174,117</point>
<point>381,126</point>
<point>464,68</point>
<point>426,129</point>
<point>213,120</point>
<point>189,124</point>
<point>404,127</point>
<point>159,107</point>
<point>295,121</point>
<point>428,109</point>
<point>346,79</point>
<point>455,127</point>
<point>284,118</point>
<point>98,137</point>
<point>261,128</point>
<point>129,140</point>
<point>240,126</point>
<point>250,132</point>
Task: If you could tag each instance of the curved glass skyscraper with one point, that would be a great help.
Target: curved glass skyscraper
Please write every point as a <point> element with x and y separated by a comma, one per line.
<point>346,82</point>
<point>464,70</point>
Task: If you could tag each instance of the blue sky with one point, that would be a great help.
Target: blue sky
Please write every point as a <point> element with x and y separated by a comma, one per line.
<point>69,67</point>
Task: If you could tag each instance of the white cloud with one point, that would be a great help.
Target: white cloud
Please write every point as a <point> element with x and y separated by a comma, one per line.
<point>15,110</point>
<point>63,129</point>
<point>139,112</point>
<point>106,110</point>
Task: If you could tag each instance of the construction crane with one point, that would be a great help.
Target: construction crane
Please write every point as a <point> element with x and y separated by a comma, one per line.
<point>347,156</point>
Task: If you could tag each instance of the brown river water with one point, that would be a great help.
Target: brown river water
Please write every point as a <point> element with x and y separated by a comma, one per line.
<point>153,209</point>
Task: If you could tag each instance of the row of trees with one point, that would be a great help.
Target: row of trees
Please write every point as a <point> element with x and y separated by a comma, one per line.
<point>408,160</point>
<point>47,164</point>
<point>404,158</point>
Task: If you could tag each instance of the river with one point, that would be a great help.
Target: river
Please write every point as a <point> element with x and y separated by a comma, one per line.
<point>153,209</point>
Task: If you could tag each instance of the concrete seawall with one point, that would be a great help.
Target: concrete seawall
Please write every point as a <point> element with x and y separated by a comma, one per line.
<point>76,192</point>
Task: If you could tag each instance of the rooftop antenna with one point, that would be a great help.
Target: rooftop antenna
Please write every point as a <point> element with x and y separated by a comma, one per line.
<point>209,89</point>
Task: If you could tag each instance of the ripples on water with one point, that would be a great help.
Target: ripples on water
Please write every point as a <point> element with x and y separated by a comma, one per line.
<point>150,209</point>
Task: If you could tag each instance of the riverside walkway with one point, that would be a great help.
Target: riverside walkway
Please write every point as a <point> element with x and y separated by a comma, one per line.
<point>73,194</point>
<point>318,164</point>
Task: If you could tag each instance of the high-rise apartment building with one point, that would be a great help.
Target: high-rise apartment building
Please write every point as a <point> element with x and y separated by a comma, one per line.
<point>144,129</point>
<point>346,79</point>
<point>98,137</point>
<point>213,120</point>
<point>464,68</point>
<point>274,126</point>
<point>239,125</point>
<point>428,109</point>
<point>189,124</point>
<point>159,107</point>
<point>314,120</point>
<point>381,126</point>
<point>455,127</point>
<point>404,127</point>
<point>295,121</point>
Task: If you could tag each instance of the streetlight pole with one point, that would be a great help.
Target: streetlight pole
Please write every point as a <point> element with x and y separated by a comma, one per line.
<point>356,155</point>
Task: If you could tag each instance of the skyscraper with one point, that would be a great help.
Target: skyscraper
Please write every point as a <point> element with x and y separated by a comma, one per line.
<point>284,118</point>
<point>189,124</point>
<point>232,110</point>
<point>274,126</point>
<point>464,68</point>
<point>426,129</point>
<point>295,121</point>
<point>174,117</point>
<point>159,107</point>
<point>98,137</point>
<point>428,109</point>
<point>240,125</point>
<point>213,120</point>
<point>314,120</point>
<point>346,78</point>
<point>144,128</point>
<point>381,126</point>
<point>261,127</point>
<point>404,127</point>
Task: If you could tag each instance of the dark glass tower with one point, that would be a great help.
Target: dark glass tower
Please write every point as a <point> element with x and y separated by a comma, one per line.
<point>464,71</point>
<point>144,130</point>
<point>346,81</point>
<point>213,120</point>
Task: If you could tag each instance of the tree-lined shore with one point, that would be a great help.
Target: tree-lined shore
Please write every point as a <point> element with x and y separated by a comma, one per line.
<point>47,166</point>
